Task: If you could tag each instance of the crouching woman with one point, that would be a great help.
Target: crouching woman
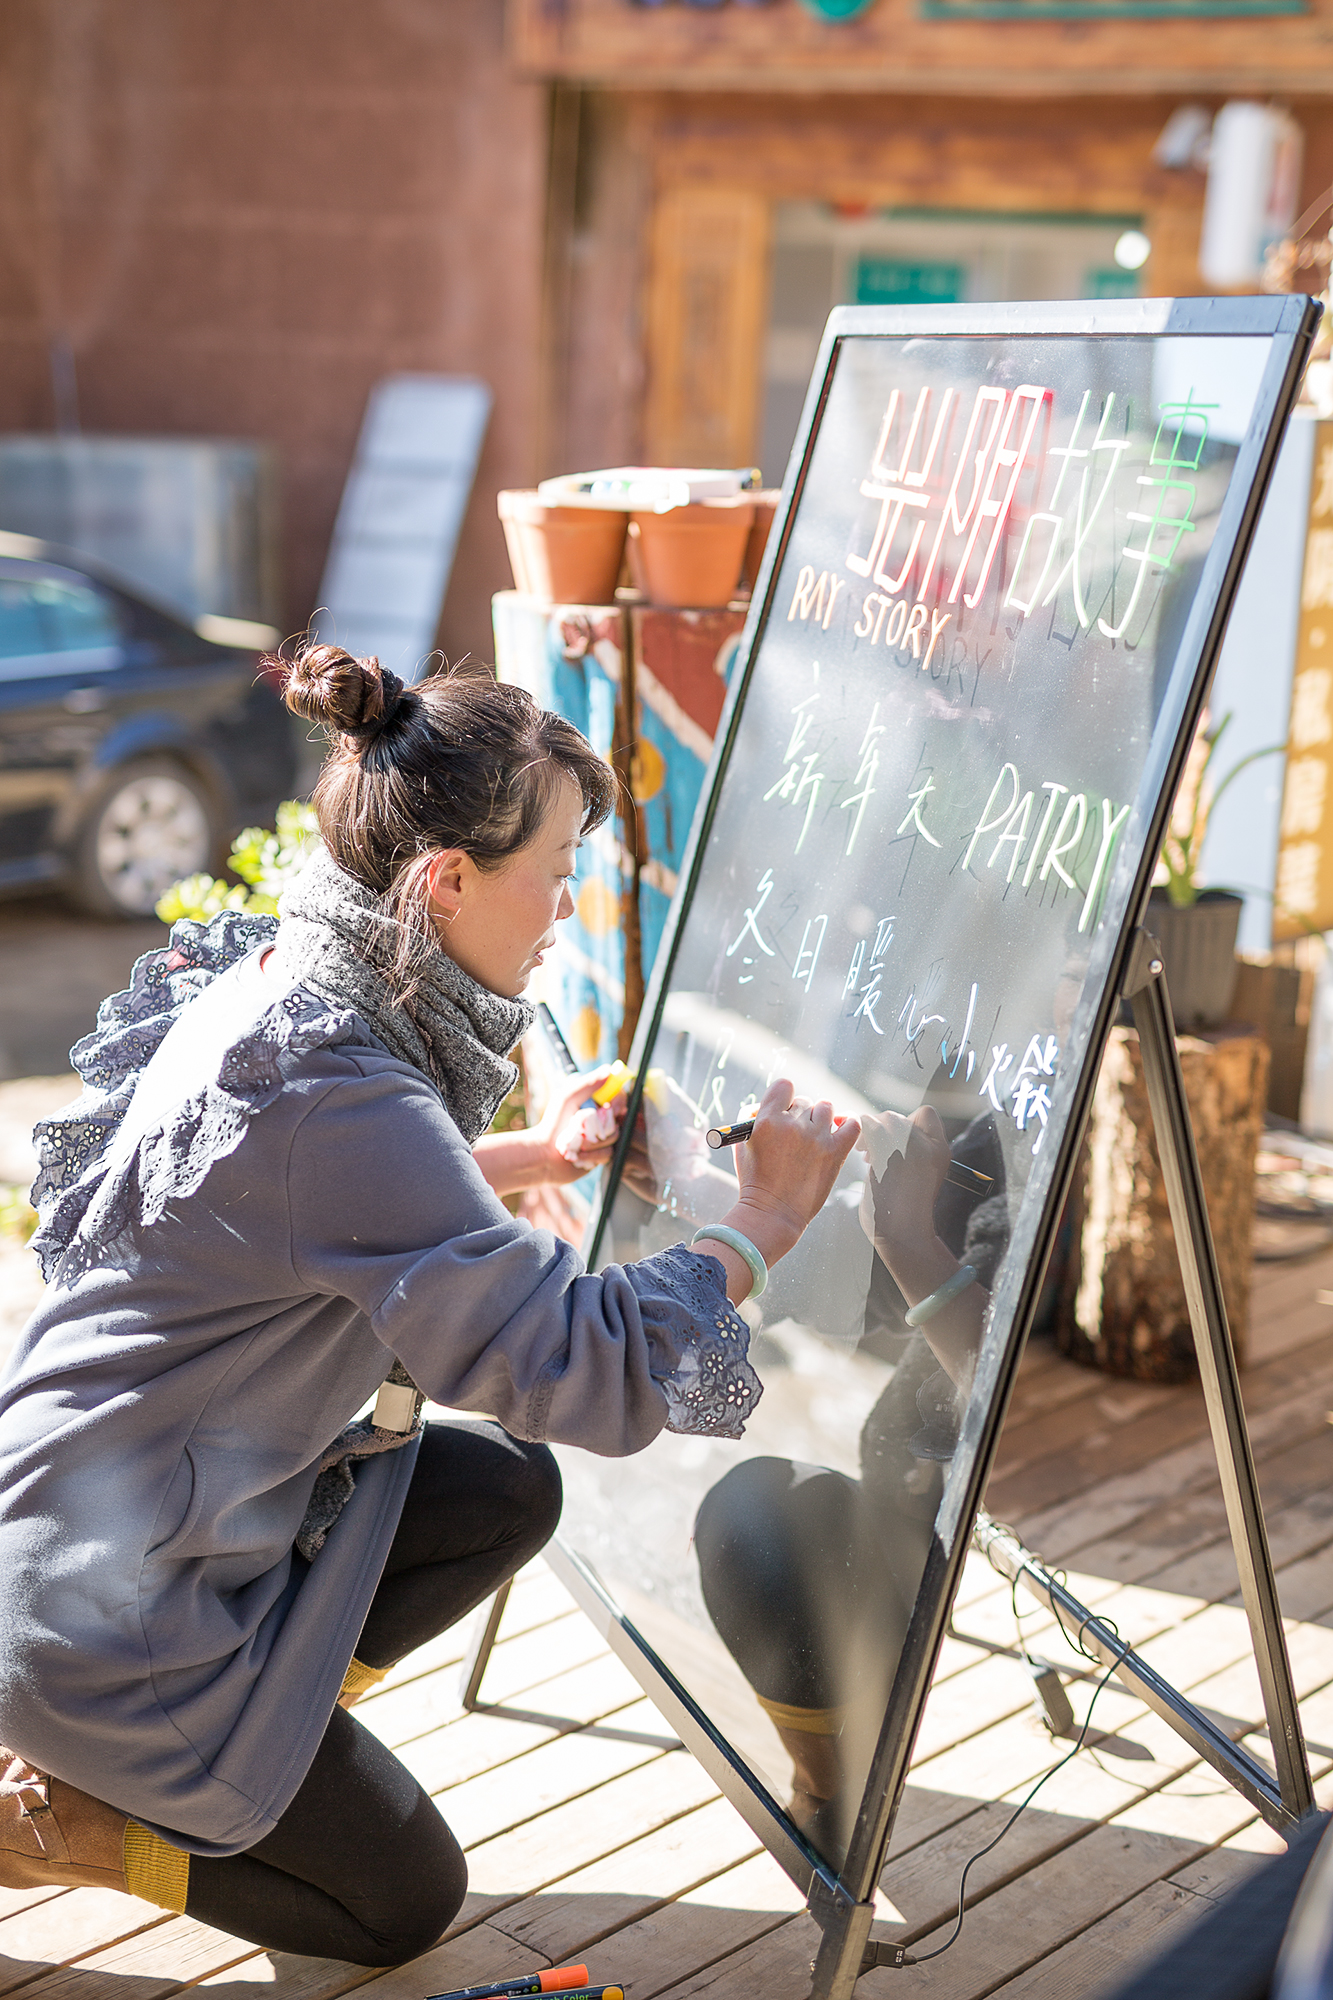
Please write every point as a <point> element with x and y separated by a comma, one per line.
<point>274,1194</point>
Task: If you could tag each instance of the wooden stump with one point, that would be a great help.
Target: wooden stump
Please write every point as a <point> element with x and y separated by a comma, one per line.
<point>1122,1302</point>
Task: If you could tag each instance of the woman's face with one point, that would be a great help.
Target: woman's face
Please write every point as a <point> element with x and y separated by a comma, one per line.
<point>496,923</point>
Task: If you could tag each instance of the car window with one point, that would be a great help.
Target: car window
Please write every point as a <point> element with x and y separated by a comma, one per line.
<point>51,625</point>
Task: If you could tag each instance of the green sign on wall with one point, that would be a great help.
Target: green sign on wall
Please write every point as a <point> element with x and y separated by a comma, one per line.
<point>892,281</point>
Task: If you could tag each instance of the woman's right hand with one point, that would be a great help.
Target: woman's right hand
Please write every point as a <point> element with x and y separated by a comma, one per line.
<point>786,1170</point>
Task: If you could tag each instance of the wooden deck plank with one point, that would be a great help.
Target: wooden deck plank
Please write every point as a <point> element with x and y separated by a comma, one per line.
<point>1137,1460</point>
<point>1125,1418</point>
<point>572,1836</point>
<point>1285,1276</point>
<point>1004,1761</point>
<point>476,1957</point>
<point>278,1976</point>
<point>963,1707</point>
<point>922,1890</point>
<point>1215,1874</point>
<point>1304,1585</point>
<point>775,1966</point>
<point>61,1930</point>
<point>587,1835</point>
<point>1057,1387</point>
<point>680,1939</point>
<point>1105,1954</point>
<point>731,1913</point>
<point>405,1713</point>
<point>567,1920</point>
<point>1023,1923</point>
<point>1104,1529</point>
<point>14,1900</point>
<point>1296,1530</point>
<point>559,1772</point>
<point>923,1887</point>
<point>587,1696</point>
<point>979,1579</point>
<point>160,1960</point>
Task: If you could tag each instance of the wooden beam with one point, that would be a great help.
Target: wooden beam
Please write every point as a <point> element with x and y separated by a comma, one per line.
<point>707,297</point>
<point>889,47</point>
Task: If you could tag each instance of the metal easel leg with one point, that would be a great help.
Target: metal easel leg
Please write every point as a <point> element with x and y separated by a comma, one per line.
<point>1145,988</point>
<point>846,1949</point>
<point>1007,1555</point>
<point>479,1651</point>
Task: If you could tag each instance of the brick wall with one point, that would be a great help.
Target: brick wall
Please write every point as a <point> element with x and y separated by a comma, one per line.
<point>241,213</point>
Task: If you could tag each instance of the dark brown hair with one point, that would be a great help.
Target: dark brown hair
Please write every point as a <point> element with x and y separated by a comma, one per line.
<point>461,760</point>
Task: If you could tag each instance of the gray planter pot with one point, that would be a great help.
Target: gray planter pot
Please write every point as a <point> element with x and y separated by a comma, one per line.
<point>1199,951</point>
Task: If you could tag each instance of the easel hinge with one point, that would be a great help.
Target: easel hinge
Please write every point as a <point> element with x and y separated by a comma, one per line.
<point>1144,965</point>
<point>828,1902</point>
<point>834,1911</point>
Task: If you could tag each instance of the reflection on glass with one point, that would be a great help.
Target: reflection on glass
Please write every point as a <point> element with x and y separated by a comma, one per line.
<point>932,780</point>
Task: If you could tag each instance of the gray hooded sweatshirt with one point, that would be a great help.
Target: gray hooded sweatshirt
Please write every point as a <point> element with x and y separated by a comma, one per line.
<point>259,1209</point>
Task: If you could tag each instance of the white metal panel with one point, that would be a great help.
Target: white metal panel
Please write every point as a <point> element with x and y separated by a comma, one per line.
<point>402,509</point>
<point>1252,683</point>
<point>190,521</point>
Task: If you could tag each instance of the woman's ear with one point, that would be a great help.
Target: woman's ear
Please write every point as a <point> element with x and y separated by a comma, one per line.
<point>446,883</point>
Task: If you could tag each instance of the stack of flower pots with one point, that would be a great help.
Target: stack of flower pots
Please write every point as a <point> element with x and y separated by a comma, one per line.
<point>568,544</point>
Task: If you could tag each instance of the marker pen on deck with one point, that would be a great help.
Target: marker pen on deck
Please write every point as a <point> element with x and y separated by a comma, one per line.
<point>556,1981</point>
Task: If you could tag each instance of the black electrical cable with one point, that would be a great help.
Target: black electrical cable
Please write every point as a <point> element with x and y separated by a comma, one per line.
<point>925,1957</point>
<point>1107,1625</point>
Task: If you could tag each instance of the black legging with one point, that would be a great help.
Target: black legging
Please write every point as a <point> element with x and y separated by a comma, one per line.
<point>788,1573</point>
<point>810,1575</point>
<point>361,1866</point>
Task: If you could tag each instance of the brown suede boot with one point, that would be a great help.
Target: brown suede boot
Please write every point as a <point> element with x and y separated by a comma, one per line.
<point>51,1833</point>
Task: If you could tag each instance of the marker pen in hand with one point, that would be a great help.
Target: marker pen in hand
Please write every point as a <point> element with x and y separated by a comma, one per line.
<point>561,1046</point>
<point>956,1174</point>
<point>719,1136</point>
<point>619,1079</point>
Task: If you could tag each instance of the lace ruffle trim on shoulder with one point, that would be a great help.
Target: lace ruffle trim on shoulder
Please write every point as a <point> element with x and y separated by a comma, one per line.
<point>89,1217</point>
<point>713,1389</point>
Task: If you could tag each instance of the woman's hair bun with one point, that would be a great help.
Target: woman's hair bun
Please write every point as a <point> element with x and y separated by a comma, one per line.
<point>358,698</point>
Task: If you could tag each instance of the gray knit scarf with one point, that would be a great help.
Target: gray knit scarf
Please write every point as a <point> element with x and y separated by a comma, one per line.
<point>338,939</point>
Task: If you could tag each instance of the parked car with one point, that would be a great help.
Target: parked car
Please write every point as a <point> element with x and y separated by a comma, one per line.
<point>132,745</point>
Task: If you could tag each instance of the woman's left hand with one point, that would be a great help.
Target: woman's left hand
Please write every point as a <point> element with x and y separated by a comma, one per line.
<point>574,1138</point>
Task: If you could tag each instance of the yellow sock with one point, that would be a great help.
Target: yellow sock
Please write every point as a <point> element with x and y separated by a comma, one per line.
<point>814,1721</point>
<point>357,1679</point>
<point>155,1870</point>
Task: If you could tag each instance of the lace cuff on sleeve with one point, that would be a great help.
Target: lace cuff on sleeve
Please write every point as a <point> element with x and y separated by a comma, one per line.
<point>712,1389</point>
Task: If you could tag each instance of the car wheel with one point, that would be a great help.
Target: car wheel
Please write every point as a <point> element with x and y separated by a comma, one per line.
<point>152,824</point>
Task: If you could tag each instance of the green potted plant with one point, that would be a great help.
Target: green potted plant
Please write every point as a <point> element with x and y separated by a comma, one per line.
<point>1196,927</point>
<point>265,861</point>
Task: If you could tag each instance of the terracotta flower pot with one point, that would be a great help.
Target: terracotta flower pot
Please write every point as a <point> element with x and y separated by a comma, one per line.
<point>692,556</point>
<point>566,555</point>
<point>765,508</point>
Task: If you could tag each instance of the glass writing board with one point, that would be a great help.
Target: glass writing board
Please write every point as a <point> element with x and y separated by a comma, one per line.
<point>971,672</point>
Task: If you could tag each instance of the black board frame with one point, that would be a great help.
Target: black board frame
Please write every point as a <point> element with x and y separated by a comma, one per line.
<point>837,1900</point>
